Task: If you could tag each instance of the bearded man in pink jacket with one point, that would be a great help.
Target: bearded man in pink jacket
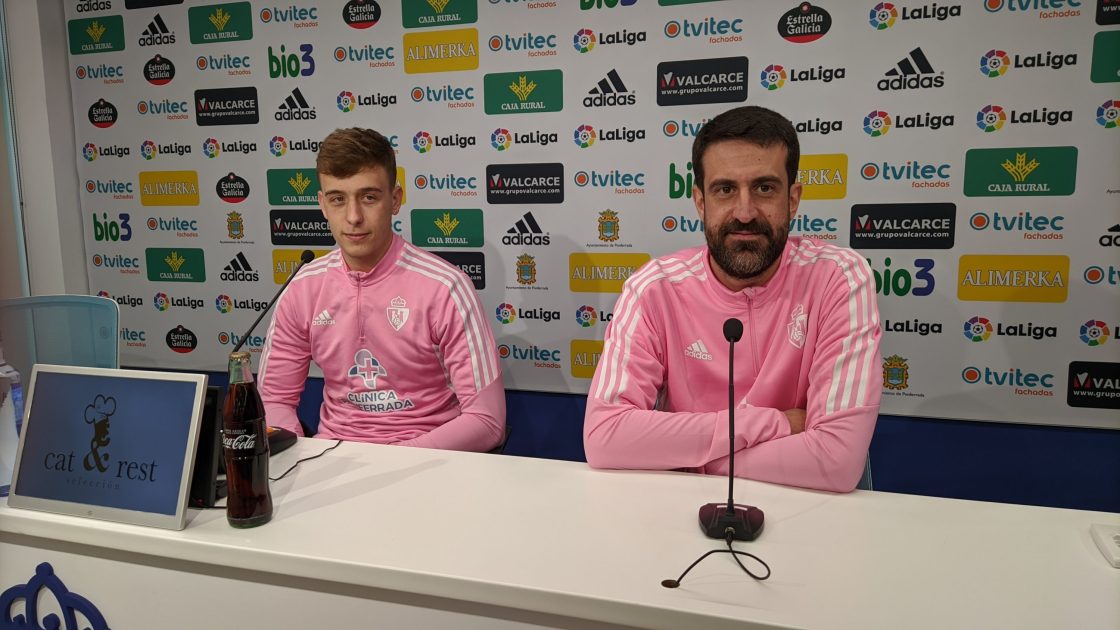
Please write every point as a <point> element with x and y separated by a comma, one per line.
<point>808,374</point>
<point>406,355</point>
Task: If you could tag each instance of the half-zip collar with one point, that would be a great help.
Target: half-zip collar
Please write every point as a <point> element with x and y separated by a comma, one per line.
<point>380,271</point>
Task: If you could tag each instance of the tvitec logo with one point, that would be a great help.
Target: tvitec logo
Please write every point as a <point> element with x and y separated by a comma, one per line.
<point>1030,225</point>
<point>291,65</point>
<point>1047,9</point>
<point>717,31</point>
<point>373,56</point>
<point>918,174</point>
<point>533,45</point>
<point>540,357</point>
<point>1021,382</point>
<point>622,182</point>
<point>297,17</point>
<point>171,110</point>
<point>231,65</point>
<point>109,75</point>
<point>118,189</point>
<point>455,97</point>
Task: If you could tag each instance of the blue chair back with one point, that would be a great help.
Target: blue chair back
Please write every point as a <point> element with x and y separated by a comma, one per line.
<point>865,478</point>
<point>60,329</point>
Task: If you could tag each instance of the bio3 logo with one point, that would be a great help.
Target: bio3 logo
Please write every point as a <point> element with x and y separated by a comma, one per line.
<point>914,280</point>
<point>106,229</point>
<point>290,65</point>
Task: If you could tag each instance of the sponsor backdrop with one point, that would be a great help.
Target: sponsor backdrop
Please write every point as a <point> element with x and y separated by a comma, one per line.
<point>967,150</point>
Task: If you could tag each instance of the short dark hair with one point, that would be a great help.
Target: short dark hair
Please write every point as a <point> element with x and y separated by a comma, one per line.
<point>346,151</point>
<point>753,124</point>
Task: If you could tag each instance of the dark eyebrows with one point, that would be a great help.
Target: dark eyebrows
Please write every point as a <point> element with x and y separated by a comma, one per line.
<point>718,183</point>
<point>360,191</point>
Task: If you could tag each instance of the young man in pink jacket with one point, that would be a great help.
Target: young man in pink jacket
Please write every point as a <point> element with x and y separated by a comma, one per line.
<point>407,356</point>
<point>808,372</point>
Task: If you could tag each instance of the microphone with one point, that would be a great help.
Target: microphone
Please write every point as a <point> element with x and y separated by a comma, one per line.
<point>730,521</point>
<point>304,258</point>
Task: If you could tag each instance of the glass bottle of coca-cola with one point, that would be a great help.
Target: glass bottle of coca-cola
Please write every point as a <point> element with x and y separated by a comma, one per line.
<point>245,445</point>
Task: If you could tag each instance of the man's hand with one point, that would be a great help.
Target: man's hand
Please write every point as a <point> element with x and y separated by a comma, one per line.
<point>796,420</point>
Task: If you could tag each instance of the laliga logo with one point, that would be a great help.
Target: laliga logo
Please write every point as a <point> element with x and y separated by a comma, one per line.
<point>584,136</point>
<point>978,329</point>
<point>97,414</point>
<point>585,316</point>
<point>994,63</point>
<point>210,148</point>
<point>345,101</point>
<point>883,16</point>
<point>223,303</point>
<point>877,123</point>
<point>422,142</point>
<point>1109,113</point>
<point>148,150</point>
<point>89,152</point>
<point>1094,333</point>
<point>773,77</point>
<point>161,302</point>
<point>584,40</point>
<point>500,139</point>
<point>278,145</point>
<point>991,118</point>
<point>505,313</point>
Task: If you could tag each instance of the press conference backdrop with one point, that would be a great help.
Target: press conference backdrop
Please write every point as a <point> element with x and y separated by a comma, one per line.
<point>968,151</point>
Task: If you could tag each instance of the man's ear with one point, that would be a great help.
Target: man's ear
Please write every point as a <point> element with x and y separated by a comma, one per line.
<point>698,201</point>
<point>398,196</point>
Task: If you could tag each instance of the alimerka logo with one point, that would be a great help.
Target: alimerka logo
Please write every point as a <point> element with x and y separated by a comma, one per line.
<point>441,51</point>
<point>1013,278</point>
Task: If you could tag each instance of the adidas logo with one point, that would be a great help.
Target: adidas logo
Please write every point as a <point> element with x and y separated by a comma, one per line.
<point>698,351</point>
<point>323,319</point>
<point>238,270</point>
<point>157,33</point>
<point>913,72</point>
<point>526,232</point>
<point>608,92</point>
<point>295,107</point>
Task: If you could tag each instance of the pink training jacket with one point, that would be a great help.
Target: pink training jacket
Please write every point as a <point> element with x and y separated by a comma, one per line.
<point>407,357</point>
<point>811,341</point>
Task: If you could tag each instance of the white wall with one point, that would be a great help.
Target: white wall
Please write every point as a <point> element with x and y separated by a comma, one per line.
<point>41,108</point>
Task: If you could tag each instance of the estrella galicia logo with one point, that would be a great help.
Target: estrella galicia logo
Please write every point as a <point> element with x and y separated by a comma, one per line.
<point>367,368</point>
<point>97,415</point>
<point>181,339</point>
<point>804,23</point>
<point>103,114</point>
<point>159,70</point>
<point>233,188</point>
<point>361,14</point>
<point>1093,384</point>
<point>698,81</point>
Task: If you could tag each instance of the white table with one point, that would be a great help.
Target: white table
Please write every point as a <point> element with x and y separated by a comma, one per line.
<point>390,537</point>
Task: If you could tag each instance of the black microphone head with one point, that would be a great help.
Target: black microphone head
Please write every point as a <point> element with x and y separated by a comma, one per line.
<point>733,330</point>
<point>308,255</point>
<point>670,583</point>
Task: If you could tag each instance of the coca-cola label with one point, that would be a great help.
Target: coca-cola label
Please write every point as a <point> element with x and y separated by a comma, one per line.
<point>243,442</point>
